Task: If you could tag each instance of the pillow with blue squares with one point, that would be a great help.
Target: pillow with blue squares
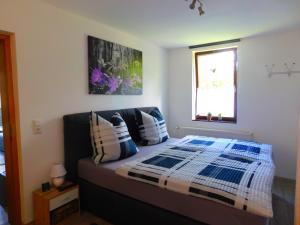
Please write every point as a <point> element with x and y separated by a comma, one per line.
<point>110,140</point>
<point>152,127</point>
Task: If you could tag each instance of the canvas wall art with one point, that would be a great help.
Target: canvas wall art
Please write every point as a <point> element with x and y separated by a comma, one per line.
<point>114,69</point>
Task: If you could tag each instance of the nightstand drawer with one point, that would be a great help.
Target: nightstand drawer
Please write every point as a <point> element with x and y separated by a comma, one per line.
<point>63,199</point>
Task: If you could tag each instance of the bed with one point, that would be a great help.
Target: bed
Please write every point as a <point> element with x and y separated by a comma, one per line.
<point>124,201</point>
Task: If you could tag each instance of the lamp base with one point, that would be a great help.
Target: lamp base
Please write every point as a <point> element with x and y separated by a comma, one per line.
<point>58,181</point>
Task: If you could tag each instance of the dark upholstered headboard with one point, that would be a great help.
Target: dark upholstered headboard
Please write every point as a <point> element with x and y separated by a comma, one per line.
<point>77,135</point>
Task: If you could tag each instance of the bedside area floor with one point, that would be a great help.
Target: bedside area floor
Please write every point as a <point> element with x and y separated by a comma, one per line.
<point>89,219</point>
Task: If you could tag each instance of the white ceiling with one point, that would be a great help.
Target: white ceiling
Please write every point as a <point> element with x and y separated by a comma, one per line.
<point>170,23</point>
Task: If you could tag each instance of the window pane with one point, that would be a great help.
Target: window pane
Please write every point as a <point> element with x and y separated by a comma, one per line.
<point>216,89</point>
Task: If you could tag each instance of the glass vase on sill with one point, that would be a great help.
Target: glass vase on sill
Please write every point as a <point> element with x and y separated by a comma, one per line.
<point>220,117</point>
<point>209,116</point>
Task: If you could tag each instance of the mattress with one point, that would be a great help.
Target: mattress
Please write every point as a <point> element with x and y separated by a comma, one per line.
<point>198,209</point>
<point>232,172</point>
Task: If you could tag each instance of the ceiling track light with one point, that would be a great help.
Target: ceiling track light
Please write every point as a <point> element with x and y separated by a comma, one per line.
<point>200,8</point>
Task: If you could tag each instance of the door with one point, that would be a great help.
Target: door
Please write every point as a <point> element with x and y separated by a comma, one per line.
<point>11,126</point>
<point>3,184</point>
<point>297,200</point>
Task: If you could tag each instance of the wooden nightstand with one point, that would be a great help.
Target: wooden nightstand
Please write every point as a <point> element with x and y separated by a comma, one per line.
<point>55,207</point>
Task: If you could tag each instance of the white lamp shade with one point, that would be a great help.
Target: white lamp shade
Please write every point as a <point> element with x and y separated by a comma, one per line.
<point>58,170</point>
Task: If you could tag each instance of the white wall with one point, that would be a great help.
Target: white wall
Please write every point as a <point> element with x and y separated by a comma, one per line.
<point>53,80</point>
<point>267,106</point>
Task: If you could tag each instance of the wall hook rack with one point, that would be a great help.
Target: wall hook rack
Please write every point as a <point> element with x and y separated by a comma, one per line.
<point>289,70</point>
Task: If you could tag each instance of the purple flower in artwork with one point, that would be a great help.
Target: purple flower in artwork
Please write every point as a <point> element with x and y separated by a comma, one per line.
<point>113,84</point>
<point>97,77</point>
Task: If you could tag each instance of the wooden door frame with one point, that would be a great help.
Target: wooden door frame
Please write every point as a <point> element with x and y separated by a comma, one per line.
<point>297,198</point>
<point>11,128</point>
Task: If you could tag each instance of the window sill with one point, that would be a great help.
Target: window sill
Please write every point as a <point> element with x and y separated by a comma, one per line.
<point>215,121</point>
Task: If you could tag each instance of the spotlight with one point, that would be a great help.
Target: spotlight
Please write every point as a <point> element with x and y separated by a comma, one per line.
<point>192,6</point>
<point>200,8</point>
<point>201,11</point>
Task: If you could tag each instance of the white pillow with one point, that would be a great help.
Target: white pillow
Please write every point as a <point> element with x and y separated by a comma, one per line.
<point>152,127</point>
<point>110,140</point>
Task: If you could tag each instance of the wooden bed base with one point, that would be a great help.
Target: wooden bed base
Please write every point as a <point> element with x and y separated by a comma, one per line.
<point>120,209</point>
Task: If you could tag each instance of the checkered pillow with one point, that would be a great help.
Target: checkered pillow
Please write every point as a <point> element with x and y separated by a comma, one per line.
<point>110,140</point>
<point>152,127</point>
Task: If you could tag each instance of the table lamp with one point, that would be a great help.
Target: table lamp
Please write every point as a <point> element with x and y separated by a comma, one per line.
<point>57,174</point>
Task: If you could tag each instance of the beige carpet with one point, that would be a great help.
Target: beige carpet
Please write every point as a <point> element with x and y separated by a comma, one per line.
<point>283,201</point>
<point>87,219</point>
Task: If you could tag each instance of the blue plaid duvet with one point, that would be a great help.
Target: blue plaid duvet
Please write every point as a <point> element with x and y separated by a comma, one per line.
<point>231,172</point>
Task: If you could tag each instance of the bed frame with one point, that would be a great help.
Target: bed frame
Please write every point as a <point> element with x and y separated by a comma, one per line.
<point>109,205</point>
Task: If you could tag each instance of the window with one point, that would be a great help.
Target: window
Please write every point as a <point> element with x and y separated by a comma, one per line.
<point>216,85</point>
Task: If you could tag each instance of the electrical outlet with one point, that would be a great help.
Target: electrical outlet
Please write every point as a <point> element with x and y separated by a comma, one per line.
<point>36,127</point>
